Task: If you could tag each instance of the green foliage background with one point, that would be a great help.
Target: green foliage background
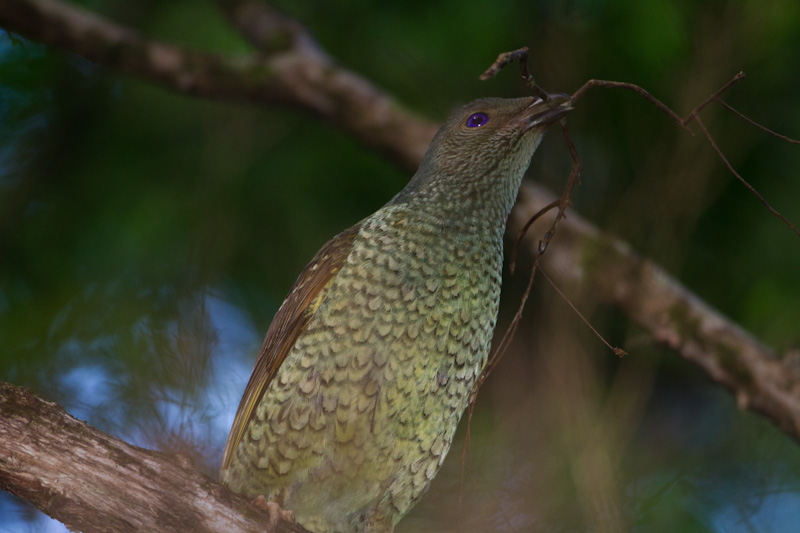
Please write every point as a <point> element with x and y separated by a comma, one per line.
<point>147,238</point>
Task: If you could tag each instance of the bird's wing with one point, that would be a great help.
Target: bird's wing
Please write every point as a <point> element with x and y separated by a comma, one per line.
<point>290,321</point>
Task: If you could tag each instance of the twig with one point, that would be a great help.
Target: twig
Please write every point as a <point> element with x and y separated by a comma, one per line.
<point>619,352</point>
<point>631,87</point>
<point>714,97</point>
<point>520,55</point>
<point>694,116</point>
<point>673,315</point>
<point>756,124</point>
<point>740,178</point>
<point>561,203</point>
<point>512,262</point>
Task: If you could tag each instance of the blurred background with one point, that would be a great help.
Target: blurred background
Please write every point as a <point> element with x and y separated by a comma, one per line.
<point>147,239</point>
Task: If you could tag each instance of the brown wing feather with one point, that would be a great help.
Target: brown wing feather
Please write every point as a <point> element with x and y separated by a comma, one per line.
<point>289,322</point>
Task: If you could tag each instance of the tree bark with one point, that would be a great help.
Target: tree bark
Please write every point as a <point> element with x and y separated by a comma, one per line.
<point>93,482</point>
<point>583,257</point>
<point>299,75</point>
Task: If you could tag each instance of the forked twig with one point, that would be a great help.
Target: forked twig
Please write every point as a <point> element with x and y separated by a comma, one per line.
<point>714,97</point>
<point>694,116</point>
<point>521,55</point>
<point>561,203</point>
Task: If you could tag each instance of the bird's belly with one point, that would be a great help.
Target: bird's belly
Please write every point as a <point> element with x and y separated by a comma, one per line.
<point>354,427</point>
<point>363,409</point>
<point>379,419</point>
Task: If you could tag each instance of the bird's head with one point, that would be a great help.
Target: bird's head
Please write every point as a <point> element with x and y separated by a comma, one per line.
<point>485,146</point>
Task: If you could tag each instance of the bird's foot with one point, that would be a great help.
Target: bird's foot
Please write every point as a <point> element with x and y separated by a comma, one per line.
<point>274,509</point>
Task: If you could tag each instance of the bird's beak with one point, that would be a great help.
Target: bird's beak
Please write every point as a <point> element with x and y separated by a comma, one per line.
<point>542,113</point>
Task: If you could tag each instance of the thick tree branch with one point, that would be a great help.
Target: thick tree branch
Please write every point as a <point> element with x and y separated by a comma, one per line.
<point>582,257</point>
<point>93,482</point>
<point>299,75</point>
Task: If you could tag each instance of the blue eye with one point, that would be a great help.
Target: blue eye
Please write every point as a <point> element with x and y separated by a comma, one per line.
<point>477,120</point>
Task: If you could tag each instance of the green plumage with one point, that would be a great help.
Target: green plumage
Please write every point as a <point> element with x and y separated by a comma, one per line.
<point>367,369</point>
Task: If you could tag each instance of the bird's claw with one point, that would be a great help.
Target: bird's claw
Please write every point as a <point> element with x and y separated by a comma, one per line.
<point>274,510</point>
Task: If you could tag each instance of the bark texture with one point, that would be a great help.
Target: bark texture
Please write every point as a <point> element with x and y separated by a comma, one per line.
<point>93,482</point>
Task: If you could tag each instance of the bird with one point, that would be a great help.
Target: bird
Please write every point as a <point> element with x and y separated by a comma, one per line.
<point>368,364</point>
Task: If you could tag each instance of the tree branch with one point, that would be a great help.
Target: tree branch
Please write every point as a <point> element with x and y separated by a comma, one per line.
<point>299,75</point>
<point>583,256</point>
<point>93,482</point>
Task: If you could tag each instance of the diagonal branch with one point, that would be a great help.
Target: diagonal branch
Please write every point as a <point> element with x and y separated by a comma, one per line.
<point>649,296</point>
<point>300,75</point>
<point>93,482</point>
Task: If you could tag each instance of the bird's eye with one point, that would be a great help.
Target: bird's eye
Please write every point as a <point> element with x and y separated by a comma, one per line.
<point>477,120</point>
